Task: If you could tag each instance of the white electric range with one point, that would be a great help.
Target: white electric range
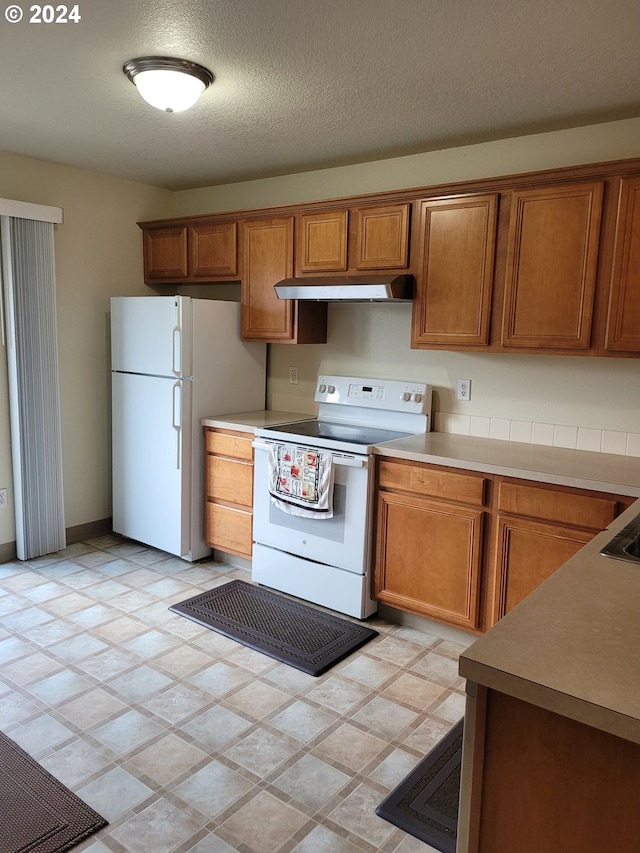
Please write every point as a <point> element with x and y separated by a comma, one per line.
<point>327,560</point>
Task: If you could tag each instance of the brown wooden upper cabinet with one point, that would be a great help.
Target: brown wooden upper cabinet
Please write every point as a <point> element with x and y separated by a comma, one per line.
<point>551,267</point>
<point>623,317</point>
<point>382,237</point>
<point>457,241</point>
<point>321,242</point>
<point>213,250</point>
<point>267,257</point>
<point>353,240</point>
<point>165,253</point>
<point>190,252</point>
<point>544,262</point>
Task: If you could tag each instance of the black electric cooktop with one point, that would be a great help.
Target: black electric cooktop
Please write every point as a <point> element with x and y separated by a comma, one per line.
<point>351,433</point>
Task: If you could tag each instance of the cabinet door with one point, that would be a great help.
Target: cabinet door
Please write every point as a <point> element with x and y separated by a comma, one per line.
<point>551,267</point>
<point>213,250</point>
<point>383,237</point>
<point>267,257</point>
<point>321,242</point>
<point>165,253</point>
<point>455,278</point>
<point>528,553</point>
<point>428,557</point>
<point>623,320</point>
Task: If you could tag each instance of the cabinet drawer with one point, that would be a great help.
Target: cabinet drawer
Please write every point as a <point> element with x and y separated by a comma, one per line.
<point>229,481</point>
<point>237,445</point>
<point>572,508</point>
<point>425,480</point>
<point>228,529</point>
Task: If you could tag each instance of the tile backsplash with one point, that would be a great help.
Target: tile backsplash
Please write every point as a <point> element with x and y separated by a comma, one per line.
<point>551,435</point>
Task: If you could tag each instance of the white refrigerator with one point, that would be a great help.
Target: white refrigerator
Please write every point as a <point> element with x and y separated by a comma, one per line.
<point>174,360</point>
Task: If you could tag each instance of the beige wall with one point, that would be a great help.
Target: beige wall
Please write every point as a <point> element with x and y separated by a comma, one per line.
<point>593,144</point>
<point>98,254</point>
<point>373,340</point>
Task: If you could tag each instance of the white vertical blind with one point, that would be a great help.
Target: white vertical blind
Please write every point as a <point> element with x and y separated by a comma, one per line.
<point>28,267</point>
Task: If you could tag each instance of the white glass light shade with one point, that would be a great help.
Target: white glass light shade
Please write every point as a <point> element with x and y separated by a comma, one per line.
<point>171,91</point>
<point>169,84</point>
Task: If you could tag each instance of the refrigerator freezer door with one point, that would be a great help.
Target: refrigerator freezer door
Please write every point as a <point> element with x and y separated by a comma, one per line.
<point>152,335</point>
<point>151,451</point>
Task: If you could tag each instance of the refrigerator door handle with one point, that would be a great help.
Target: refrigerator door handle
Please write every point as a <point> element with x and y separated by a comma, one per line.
<point>177,420</point>
<point>177,351</point>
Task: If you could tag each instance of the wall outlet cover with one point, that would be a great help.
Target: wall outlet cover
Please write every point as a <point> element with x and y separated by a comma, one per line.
<point>464,389</point>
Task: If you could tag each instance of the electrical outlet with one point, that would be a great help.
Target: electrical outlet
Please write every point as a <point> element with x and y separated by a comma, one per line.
<point>4,499</point>
<point>464,389</point>
<point>293,376</point>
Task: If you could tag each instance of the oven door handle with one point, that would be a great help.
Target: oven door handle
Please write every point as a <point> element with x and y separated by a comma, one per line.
<point>337,458</point>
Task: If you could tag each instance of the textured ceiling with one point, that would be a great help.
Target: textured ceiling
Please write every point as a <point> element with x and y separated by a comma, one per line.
<point>306,84</point>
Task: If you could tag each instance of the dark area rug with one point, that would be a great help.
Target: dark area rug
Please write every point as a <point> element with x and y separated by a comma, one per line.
<point>425,804</point>
<point>280,627</point>
<point>37,813</point>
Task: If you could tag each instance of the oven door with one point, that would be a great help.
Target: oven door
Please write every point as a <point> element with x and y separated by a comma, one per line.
<point>341,541</point>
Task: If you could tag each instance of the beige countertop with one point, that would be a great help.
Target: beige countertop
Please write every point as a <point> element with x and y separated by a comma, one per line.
<point>251,421</point>
<point>573,645</point>
<point>581,469</point>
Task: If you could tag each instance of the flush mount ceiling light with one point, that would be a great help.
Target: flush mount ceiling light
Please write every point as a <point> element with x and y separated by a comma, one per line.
<point>172,85</point>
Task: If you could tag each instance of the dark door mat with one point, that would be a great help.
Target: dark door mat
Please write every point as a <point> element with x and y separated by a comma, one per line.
<point>425,804</point>
<point>280,627</point>
<point>37,813</point>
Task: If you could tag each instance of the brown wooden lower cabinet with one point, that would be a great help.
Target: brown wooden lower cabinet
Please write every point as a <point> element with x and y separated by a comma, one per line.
<point>464,547</point>
<point>429,549</point>
<point>543,782</point>
<point>529,552</point>
<point>229,491</point>
<point>538,527</point>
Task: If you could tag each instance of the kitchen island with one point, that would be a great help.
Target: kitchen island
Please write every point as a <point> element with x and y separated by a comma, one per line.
<point>551,756</point>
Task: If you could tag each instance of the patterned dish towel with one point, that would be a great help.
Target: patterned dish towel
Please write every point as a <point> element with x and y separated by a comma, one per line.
<point>301,480</point>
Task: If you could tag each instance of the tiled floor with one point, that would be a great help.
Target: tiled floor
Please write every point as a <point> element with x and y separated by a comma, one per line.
<point>185,740</point>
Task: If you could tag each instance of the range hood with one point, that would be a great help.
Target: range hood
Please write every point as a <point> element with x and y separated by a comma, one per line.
<point>351,288</point>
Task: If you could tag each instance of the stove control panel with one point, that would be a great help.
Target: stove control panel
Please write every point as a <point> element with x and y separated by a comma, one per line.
<point>390,395</point>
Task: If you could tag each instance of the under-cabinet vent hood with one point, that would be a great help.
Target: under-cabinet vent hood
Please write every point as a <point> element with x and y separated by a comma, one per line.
<point>351,288</point>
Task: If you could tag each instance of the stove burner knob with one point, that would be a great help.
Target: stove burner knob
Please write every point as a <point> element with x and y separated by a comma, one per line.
<point>417,398</point>
<point>331,389</point>
<point>322,388</point>
<point>406,396</point>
